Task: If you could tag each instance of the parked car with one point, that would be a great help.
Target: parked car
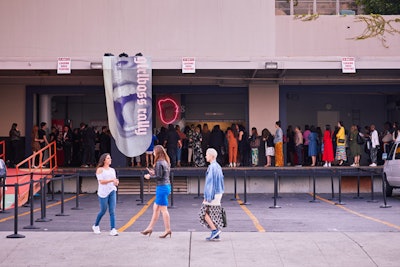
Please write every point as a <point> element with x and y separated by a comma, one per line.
<point>391,169</point>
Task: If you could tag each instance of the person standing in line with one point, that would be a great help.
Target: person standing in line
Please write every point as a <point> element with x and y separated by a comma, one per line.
<point>313,146</point>
<point>291,146</point>
<point>211,211</point>
<point>327,154</point>
<point>231,136</point>
<point>374,146</point>
<point>243,145</point>
<point>254,141</point>
<point>189,137</point>
<point>205,132</point>
<point>182,137</point>
<point>67,145</point>
<point>278,141</point>
<point>107,192</point>
<point>217,141</point>
<point>35,144</point>
<point>15,138</point>
<point>88,143</point>
<point>43,140</point>
<point>355,148</point>
<point>150,152</point>
<point>269,146</point>
<point>172,142</point>
<point>161,173</point>
<point>341,156</point>
<point>298,140</point>
<point>105,141</point>
<point>198,157</point>
<point>306,133</point>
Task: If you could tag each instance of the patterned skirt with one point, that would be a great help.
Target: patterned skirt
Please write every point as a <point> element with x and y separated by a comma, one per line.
<point>215,213</point>
<point>341,153</point>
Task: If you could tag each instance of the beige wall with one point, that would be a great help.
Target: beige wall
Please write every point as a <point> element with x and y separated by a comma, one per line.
<point>12,108</point>
<point>330,36</point>
<point>231,30</point>
<point>263,106</point>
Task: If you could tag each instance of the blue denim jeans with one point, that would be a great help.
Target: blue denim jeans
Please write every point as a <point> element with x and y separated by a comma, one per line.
<point>109,201</point>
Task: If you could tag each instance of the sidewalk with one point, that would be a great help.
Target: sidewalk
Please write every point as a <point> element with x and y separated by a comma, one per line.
<point>190,249</point>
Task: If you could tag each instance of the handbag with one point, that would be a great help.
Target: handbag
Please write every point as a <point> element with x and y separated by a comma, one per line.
<point>341,141</point>
<point>360,139</point>
<point>224,221</point>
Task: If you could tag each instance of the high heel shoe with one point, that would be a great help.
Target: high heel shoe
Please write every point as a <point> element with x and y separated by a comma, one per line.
<point>166,234</point>
<point>147,232</point>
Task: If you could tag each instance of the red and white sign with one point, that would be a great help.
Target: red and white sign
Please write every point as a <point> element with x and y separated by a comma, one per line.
<point>64,65</point>
<point>348,65</point>
<point>188,65</point>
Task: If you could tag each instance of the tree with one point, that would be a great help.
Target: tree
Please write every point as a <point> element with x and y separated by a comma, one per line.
<point>382,7</point>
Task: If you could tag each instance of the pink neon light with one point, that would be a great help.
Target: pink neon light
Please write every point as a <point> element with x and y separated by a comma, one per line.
<point>175,107</point>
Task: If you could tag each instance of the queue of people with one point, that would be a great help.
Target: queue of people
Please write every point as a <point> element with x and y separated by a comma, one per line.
<point>78,147</point>
<point>335,145</point>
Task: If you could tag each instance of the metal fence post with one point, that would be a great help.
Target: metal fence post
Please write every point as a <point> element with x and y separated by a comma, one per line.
<point>16,235</point>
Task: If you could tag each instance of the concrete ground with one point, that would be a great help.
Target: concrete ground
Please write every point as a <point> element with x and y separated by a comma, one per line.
<point>299,233</point>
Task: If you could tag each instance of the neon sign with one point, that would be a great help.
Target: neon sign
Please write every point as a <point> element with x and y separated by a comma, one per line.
<point>168,110</point>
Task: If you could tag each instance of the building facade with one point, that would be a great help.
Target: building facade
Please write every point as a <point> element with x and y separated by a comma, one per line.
<point>255,63</point>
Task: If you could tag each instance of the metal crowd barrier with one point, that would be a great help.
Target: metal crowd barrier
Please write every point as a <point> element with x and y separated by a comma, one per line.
<point>43,198</point>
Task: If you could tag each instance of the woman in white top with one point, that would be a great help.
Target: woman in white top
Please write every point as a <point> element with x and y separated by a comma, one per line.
<point>107,192</point>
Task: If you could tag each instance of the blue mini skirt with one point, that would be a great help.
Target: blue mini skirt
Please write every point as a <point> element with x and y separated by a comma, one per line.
<point>162,193</point>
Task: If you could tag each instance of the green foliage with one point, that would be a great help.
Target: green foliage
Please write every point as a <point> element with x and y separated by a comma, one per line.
<point>382,7</point>
<point>377,27</point>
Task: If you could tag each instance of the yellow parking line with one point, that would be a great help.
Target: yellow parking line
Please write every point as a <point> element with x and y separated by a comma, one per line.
<point>37,209</point>
<point>360,214</point>
<point>137,215</point>
<point>250,214</point>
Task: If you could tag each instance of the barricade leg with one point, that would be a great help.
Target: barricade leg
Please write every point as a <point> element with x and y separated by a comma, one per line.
<point>198,188</point>
<point>340,191</point>
<point>43,197</point>
<point>3,201</point>
<point>16,235</point>
<point>314,200</point>
<point>77,194</point>
<point>358,188</point>
<point>172,192</point>
<point>31,225</point>
<point>62,198</point>
<point>275,206</point>
<point>333,189</point>
<point>384,193</point>
<point>28,203</point>
<point>372,190</point>
<point>234,187</point>
<point>245,190</point>
<point>52,189</point>
<point>141,195</point>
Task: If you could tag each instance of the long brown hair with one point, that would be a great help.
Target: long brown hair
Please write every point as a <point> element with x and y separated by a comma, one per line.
<point>160,154</point>
<point>102,159</point>
<point>35,132</point>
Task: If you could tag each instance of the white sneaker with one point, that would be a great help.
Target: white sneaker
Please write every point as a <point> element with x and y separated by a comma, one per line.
<point>329,164</point>
<point>114,232</point>
<point>326,165</point>
<point>373,165</point>
<point>96,229</point>
<point>353,165</point>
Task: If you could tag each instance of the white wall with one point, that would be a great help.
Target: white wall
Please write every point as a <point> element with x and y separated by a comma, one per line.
<point>330,36</point>
<point>12,108</point>
<point>263,106</point>
<point>213,29</point>
<point>221,34</point>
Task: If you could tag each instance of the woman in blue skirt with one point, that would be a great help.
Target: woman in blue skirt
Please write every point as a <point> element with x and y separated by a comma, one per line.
<point>163,189</point>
